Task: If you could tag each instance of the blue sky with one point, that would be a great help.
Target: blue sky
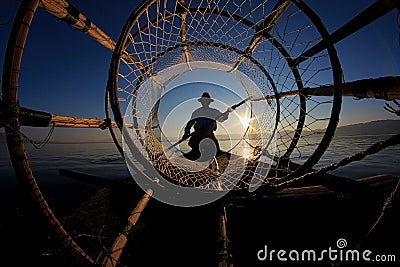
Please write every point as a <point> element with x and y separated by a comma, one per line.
<point>64,72</point>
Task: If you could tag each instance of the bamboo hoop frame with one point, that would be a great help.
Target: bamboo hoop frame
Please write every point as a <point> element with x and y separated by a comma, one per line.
<point>16,148</point>
<point>112,83</point>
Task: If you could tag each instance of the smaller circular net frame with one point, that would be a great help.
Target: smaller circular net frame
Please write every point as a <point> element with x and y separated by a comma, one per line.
<point>260,43</point>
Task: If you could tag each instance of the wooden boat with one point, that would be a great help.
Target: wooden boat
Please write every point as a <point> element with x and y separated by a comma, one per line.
<point>300,217</point>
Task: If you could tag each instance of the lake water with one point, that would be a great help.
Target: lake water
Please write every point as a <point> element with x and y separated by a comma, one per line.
<point>103,159</point>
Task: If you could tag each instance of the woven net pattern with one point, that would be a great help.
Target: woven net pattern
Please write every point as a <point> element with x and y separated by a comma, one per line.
<point>254,42</point>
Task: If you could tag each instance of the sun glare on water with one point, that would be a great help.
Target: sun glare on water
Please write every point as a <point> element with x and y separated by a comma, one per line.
<point>246,153</point>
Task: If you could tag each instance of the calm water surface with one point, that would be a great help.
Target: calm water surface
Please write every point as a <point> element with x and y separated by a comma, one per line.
<point>102,159</point>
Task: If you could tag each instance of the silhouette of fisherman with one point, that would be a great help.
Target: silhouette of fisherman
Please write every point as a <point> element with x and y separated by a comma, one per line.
<point>204,122</point>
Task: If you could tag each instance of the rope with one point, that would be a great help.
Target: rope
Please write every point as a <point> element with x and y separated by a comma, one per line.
<point>388,205</point>
<point>13,110</point>
<point>37,146</point>
<point>105,124</point>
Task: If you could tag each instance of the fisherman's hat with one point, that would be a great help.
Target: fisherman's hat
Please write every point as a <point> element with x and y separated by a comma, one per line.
<point>205,97</point>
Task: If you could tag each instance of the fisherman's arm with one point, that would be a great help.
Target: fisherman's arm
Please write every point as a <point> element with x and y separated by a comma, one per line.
<point>188,126</point>
<point>224,116</point>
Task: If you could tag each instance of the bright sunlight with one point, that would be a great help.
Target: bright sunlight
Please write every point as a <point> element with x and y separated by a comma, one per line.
<point>245,121</point>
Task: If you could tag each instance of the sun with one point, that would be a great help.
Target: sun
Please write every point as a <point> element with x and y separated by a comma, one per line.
<point>246,153</point>
<point>245,121</point>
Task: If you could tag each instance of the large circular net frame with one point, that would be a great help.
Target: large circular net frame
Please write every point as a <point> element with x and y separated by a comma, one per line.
<point>263,40</point>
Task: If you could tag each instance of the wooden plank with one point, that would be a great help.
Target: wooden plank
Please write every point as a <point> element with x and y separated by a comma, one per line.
<point>377,178</point>
<point>97,181</point>
<point>336,183</point>
<point>383,182</point>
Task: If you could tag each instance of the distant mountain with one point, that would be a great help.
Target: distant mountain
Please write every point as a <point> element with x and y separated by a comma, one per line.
<point>380,127</point>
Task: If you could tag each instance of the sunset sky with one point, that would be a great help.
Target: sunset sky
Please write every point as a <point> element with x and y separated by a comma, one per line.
<point>64,72</point>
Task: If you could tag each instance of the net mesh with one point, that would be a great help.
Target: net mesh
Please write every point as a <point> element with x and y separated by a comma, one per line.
<point>253,42</point>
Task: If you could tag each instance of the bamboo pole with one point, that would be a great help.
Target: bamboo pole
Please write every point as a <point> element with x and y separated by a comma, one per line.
<point>387,88</point>
<point>30,117</point>
<point>225,256</point>
<point>376,10</point>
<point>72,122</point>
<point>116,250</point>
<point>70,15</point>
<point>182,16</point>
<point>264,27</point>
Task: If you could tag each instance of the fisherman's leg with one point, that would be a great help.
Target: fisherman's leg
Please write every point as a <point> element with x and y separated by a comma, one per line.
<point>194,143</point>
<point>218,149</point>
